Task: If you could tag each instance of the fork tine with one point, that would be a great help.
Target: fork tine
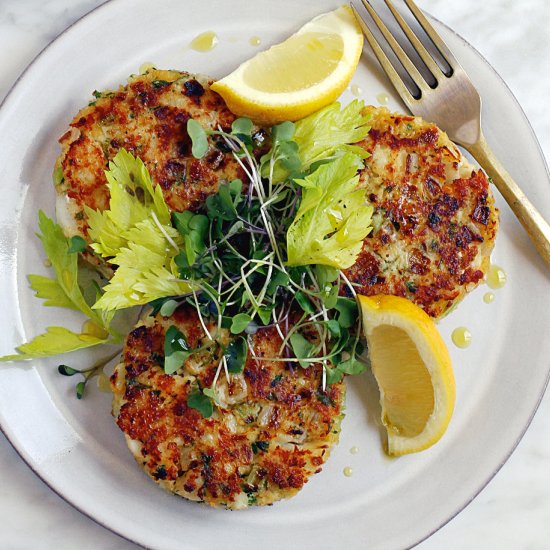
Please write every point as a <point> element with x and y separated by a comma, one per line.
<point>403,58</point>
<point>393,75</point>
<point>432,34</point>
<point>417,45</point>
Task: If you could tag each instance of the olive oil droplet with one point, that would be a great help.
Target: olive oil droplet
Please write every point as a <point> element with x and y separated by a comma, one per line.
<point>382,98</point>
<point>488,297</point>
<point>255,41</point>
<point>356,90</point>
<point>461,337</point>
<point>354,450</point>
<point>348,471</point>
<point>204,42</point>
<point>496,277</point>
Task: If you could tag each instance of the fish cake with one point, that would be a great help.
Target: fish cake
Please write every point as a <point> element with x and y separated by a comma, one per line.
<point>275,426</point>
<point>435,219</point>
<point>148,117</point>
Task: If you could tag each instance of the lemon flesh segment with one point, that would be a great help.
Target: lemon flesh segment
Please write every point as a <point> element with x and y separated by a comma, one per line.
<point>301,75</point>
<point>285,67</point>
<point>412,367</point>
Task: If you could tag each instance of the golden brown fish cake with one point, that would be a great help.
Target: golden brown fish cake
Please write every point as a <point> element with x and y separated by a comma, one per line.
<point>435,219</point>
<point>147,117</point>
<point>275,428</point>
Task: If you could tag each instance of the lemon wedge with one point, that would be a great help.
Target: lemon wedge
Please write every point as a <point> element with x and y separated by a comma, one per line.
<point>299,76</point>
<point>412,367</point>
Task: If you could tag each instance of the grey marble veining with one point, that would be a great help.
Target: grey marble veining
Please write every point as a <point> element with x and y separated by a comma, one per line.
<point>513,511</point>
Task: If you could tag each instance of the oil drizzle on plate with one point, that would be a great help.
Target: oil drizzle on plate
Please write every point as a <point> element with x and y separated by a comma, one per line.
<point>348,471</point>
<point>356,90</point>
<point>461,337</point>
<point>255,41</point>
<point>488,297</point>
<point>383,98</point>
<point>496,277</point>
<point>354,450</point>
<point>204,42</point>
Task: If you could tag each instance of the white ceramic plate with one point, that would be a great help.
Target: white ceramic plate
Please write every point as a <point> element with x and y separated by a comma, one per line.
<point>75,446</point>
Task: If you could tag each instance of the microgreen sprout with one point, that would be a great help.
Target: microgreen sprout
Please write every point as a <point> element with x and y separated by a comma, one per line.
<point>236,261</point>
<point>87,374</point>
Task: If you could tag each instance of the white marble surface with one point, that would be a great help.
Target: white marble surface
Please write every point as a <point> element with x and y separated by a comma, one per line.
<point>513,511</point>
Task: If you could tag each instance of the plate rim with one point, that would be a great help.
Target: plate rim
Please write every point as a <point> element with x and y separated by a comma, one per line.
<point>72,502</point>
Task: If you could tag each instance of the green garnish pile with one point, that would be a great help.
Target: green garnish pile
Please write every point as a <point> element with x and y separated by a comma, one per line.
<point>268,252</point>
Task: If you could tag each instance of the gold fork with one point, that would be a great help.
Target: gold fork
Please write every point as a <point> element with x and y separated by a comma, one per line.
<point>453,104</point>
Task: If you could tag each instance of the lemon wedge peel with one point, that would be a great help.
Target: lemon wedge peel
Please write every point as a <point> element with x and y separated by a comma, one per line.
<point>417,392</point>
<point>299,76</point>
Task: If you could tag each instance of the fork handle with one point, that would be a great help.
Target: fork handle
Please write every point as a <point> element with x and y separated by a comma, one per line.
<point>536,226</point>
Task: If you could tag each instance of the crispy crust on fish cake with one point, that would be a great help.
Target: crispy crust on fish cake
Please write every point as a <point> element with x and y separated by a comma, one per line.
<point>435,219</point>
<point>274,429</point>
<point>147,117</point>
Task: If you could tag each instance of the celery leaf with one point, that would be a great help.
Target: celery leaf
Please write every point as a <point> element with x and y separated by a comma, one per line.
<point>51,291</point>
<point>132,200</point>
<point>320,136</point>
<point>329,130</point>
<point>65,265</point>
<point>334,216</point>
<point>132,173</point>
<point>61,291</point>
<point>54,341</point>
<point>135,234</point>
<point>146,270</point>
